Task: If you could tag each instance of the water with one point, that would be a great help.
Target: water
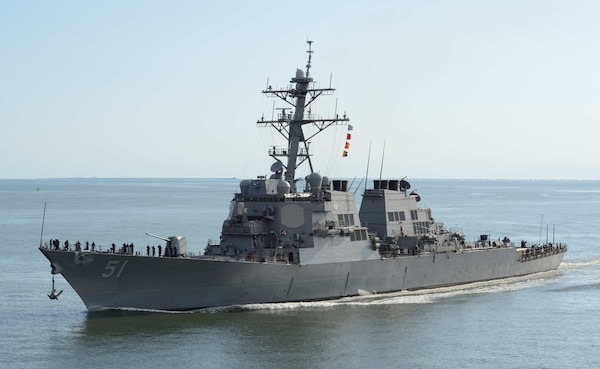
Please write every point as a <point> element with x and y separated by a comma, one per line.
<point>549,320</point>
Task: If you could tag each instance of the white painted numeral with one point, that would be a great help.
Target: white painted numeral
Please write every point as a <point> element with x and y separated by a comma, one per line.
<point>112,266</point>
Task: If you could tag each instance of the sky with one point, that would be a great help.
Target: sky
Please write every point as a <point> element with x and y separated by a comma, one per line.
<point>172,89</point>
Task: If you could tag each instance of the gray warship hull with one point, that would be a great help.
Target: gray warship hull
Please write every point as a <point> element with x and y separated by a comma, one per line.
<point>281,242</point>
<point>105,280</point>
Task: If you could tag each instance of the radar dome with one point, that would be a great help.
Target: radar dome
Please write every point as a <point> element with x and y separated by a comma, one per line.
<point>315,180</point>
<point>325,183</point>
<point>299,73</point>
<point>283,187</point>
<point>245,185</point>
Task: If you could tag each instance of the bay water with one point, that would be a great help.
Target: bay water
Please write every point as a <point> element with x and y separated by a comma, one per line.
<point>547,320</point>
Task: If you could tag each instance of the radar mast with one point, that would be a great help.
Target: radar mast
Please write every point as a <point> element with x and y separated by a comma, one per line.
<point>300,94</point>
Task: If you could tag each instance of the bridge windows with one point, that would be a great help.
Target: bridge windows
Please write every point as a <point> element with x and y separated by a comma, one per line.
<point>414,214</point>
<point>396,216</point>
<point>346,219</point>
<point>358,234</point>
<point>421,227</point>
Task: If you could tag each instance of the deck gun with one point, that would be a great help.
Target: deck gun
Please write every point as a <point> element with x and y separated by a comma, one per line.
<point>175,245</point>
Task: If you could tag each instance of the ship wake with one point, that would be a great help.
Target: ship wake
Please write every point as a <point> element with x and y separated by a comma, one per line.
<point>426,296</point>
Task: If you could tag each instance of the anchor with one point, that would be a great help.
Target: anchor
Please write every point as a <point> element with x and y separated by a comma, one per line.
<point>53,295</point>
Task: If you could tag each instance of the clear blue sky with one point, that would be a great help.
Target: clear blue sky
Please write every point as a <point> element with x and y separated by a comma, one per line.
<point>455,89</point>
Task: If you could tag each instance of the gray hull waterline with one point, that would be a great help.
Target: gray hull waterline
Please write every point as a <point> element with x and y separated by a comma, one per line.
<point>110,281</point>
<point>282,243</point>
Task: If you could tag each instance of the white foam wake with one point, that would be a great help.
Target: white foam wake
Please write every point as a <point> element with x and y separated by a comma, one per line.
<point>426,296</point>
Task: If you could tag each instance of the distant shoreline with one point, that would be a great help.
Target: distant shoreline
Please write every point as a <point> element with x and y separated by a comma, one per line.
<point>234,178</point>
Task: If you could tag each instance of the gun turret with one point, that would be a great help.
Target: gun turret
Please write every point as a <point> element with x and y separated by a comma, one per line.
<point>176,245</point>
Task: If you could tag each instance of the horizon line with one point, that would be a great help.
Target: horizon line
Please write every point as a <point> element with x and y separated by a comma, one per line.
<point>372,178</point>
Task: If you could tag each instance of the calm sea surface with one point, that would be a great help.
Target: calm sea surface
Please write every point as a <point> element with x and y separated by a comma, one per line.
<point>549,320</point>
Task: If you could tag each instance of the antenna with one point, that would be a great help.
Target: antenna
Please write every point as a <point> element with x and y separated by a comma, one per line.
<point>541,228</point>
<point>368,162</point>
<point>351,183</point>
<point>309,52</point>
<point>43,219</point>
<point>358,186</point>
<point>330,78</point>
<point>381,170</point>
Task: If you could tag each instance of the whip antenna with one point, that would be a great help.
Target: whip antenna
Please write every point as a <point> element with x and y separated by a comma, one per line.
<point>381,169</point>
<point>309,52</point>
<point>43,219</point>
<point>368,162</point>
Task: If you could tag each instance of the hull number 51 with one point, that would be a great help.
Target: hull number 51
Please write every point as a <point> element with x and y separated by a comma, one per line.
<point>114,268</point>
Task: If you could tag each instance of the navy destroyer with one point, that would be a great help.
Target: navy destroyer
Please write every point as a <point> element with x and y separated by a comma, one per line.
<point>287,239</point>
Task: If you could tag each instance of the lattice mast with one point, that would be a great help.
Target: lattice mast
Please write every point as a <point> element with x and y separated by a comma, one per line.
<point>299,95</point>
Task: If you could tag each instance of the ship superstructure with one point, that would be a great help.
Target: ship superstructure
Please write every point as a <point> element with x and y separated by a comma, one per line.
<point>271,218</point>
